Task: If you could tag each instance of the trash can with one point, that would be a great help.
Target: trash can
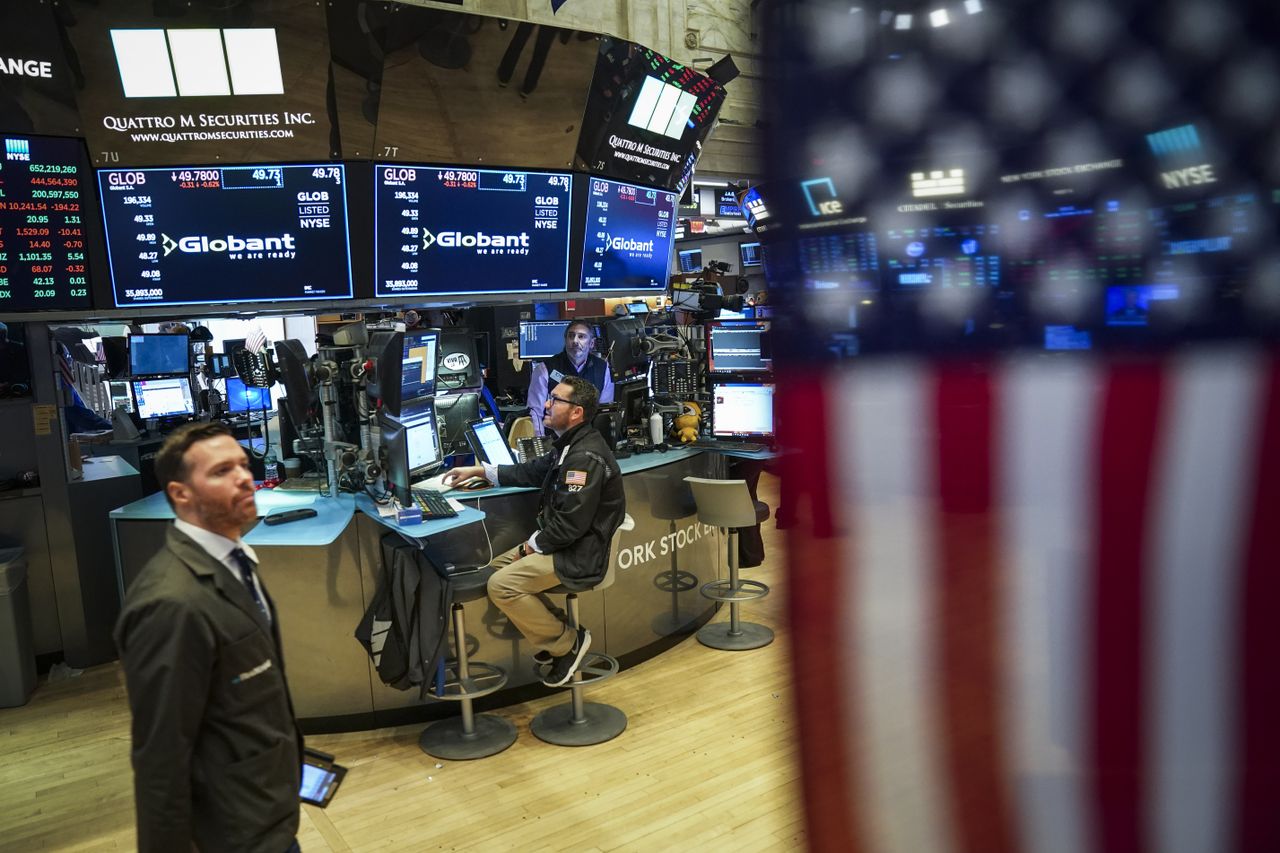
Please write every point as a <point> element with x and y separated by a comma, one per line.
<point>17,660</point>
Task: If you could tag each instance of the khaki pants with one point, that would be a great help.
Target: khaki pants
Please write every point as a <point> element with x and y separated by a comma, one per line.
<point>516,589</point>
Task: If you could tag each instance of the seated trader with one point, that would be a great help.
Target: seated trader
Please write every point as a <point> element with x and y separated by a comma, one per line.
<point>577,359</point>
<point>581,506</point>
<point>216,753</point>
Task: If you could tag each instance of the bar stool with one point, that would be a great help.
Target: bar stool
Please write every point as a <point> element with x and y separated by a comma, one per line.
<point>670,500</point>
<point>728,504</point>
<point>470,735</point>
<point>582,723</point>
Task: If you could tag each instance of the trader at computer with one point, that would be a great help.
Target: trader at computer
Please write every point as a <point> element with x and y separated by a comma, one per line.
<point>581,505</point>
<point>577,359</point>
<point>216,749</point>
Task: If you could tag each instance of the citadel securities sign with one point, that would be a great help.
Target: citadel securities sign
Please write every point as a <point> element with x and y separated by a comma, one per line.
<point>191,91</point>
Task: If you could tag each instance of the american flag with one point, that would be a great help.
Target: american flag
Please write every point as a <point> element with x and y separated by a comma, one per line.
<point>575,478</point>
<point>1034,602</point>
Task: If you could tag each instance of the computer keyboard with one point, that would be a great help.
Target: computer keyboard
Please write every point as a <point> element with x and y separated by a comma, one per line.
<point>433,504</point>
<point>720,444</point>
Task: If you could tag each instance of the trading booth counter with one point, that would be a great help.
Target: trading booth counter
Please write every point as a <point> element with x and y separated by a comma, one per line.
<point>323,572</point>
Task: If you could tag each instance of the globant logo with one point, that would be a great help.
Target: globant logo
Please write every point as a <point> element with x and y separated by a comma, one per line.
<point>622,244</point>
<point>456,240</point>
<point>232,243</point>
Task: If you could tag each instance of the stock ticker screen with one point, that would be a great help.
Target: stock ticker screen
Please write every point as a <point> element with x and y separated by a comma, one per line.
<point>187,236</point>
<point>630,231</point>
<point>439,231</point>
<point>42,236</point>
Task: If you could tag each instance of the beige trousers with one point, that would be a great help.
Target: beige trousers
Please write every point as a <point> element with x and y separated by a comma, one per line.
<point>516,589</point>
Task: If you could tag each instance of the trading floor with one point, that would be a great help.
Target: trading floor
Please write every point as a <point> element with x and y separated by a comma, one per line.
<point>709,761</point>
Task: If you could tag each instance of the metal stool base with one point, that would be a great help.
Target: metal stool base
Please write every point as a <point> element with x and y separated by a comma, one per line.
<point>600,723</point>
<point>750,636</point>
<point>445,738</point>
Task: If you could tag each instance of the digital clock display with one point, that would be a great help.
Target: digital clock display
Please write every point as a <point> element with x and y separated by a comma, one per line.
<point>42,234</point>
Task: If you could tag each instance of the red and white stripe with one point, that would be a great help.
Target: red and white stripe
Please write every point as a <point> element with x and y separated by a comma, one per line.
<point>1055,609</point>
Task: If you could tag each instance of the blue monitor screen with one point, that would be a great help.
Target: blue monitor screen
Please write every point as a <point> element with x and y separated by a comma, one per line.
<point>750,254</point>
<point>629,234</point>
<point>418,364</point>
<point>243,398</point>
<point>942,256</point>
<point>470,231</point>
<point>542,339</point>
<point>186,236</point>
<point>690,260</point>
<point>158,355</point>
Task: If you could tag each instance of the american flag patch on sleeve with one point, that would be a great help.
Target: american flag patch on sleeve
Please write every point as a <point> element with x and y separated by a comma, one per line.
<point>575,478</point>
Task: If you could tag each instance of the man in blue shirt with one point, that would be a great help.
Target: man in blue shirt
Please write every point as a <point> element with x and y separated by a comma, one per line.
<point>577,359</point>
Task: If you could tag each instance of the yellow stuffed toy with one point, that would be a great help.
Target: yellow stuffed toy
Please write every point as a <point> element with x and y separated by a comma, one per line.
<point>685,426</point>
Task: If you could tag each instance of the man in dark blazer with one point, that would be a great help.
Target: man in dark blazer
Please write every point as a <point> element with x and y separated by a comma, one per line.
<point>216,749</point>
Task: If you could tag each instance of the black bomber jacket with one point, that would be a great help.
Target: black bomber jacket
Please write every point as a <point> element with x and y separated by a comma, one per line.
<point>581,505</point>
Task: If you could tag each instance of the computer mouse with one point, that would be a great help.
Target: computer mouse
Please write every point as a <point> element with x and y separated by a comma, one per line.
<point>471,484</point>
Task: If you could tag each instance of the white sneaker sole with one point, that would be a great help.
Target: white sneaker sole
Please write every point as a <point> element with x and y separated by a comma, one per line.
<point>577,662</point>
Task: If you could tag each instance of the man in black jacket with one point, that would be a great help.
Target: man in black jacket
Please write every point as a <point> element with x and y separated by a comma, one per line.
<point>581,505</point>
<point>216,751</point>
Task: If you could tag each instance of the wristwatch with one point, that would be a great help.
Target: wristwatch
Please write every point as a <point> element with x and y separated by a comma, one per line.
<point>523,551</point>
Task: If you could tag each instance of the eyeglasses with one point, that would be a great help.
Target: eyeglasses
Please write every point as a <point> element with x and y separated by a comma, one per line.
<point>556,399</point>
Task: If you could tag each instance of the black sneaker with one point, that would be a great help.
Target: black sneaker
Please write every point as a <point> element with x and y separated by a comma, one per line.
<point>542,657</point>
<point>564,666</point>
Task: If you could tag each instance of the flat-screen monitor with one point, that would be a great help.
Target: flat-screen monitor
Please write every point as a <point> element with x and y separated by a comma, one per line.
<point>488,442</point>
<point>541,338</point>
<point>243,398</point>
<point>640,308</point>
<point>121,395</point>
<point>940,256</point>
<point>629,234</point>
<point>738,346</point>
<point>1132,304</point>
<point>465,230</point>
<point>631,399</point>
<point>690,260</point>
<point>418,364</point>
<point>622,343</point>
<point>43,181</point>
<point>221,365</point>
<point>455,412</point>
<point>742,409</point>
<point>412,445</point>
<point>750,255</point>
<point>199,236</point>
<point>163,398</point>
<point>422,440</point>
<point>159,355</point>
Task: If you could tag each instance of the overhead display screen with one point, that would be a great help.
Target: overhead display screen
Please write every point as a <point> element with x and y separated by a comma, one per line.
<point>232,234</point>
<point>449,231</point>
<point>42,239</point>
<point>630,231</point>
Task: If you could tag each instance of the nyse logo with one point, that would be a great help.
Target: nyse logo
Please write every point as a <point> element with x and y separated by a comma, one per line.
<point>17,149</point>
<point>456,362</point>
<point>480,240</point>
<point>233,244</point>
<point>197,62</point>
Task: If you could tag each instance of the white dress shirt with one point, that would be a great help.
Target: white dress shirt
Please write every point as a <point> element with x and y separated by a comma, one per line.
<point>220,548</point>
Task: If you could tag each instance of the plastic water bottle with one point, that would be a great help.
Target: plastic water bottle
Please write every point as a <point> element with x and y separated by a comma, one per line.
<point>270,470</point>
<point>655,428</point>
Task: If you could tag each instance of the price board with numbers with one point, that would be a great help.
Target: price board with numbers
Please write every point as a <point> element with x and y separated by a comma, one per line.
<point>209,235</point>
<point>629,234</point>
<point>461,230</point>
<point>43,248</point>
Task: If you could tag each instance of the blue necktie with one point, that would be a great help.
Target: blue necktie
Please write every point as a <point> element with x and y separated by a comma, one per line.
<point>246,575</point>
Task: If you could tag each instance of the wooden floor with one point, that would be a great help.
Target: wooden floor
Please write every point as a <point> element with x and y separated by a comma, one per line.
<point>708,762</point>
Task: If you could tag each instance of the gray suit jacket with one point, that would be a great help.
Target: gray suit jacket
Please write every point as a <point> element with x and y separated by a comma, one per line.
<point>216,748</point>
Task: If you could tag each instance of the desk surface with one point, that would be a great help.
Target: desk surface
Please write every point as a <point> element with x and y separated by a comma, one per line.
<point>331,519</point>
<point>98,468</point>
<point>424,530</point>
